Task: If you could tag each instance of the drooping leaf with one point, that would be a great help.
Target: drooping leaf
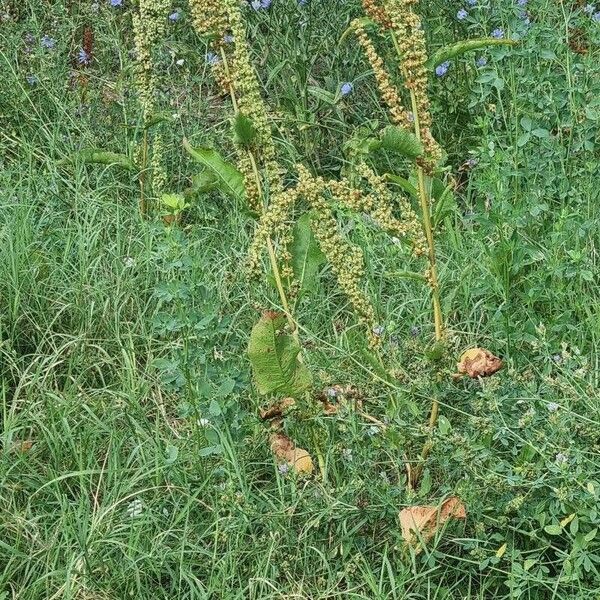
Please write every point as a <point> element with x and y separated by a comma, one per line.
<point>228,179</point>
<point>244,132</point>
<point>102,157</point>
<point>273,354</point>
<point>306,255</point>
<point>406,185</point>
<point>288,453</point>
<point>401,141</point>
<point>454,50</point>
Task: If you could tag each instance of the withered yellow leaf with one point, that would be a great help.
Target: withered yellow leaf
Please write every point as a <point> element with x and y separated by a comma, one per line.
<point>478,362</point>
<point>420,523</point>
<point>287,452</point>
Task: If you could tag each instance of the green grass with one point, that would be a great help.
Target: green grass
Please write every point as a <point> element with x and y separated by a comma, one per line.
<point>120,338</point>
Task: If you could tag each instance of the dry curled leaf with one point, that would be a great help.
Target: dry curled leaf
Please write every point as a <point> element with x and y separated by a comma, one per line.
<point>478,362</point>
<point>420,523</point>
<point>23,446</point>
<point>277,409</point>
<point>288,453</point>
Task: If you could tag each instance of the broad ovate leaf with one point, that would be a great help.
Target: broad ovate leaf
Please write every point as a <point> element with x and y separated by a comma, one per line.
<point>273,354</point>
<point>227,178</point>
<point>454,50</point>
<point>401,141</point>
<point>306,255</point>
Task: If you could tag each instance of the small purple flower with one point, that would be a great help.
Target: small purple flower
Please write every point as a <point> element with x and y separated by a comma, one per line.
<point>116,2</point>
<point>498,33</point>
<point>346,88</point>
<point>552,406</point>
<point>481,61</point>
<point>48,43</point>
<point>462,14</point>
<point>174,16</point>
<point>260,4</point>
<point>522,2</point>
<point>283,468</point>
<point>589,9</point>
<point>378,330</point>
<point>212,59</point>
<point>442,69</point>
<point>84,58</point>
<point>228,38</point>
<point>471,2</point>
<point>332,392</point>
<point>557,358</point>
<point>32,80</point>
<point>596,17</point>
<point>414,331</point>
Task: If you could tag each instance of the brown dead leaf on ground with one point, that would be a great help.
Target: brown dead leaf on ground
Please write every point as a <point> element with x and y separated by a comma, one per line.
<point>420,523</point>
<point>287,452</point>
<point>478,362</point>
<point>277,409</point>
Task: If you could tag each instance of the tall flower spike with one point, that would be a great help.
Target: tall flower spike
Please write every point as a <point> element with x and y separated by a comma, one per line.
<point>149,26</point>
<point>209,17</point>
<point>399,115</point>
<point>410,36</point>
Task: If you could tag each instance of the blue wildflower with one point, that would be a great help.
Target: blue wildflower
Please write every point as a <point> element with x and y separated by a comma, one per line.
<point>522,2</point>
<point>228,38</point>
<point>481,61</point>
<point>260,4</point>
<point>302,2</point>
<point>498,33</point>
<point>84,58</point>
<point>48,42</point>
<point>212,59</point>
<point>32,79</point>
<point>525,18</point>
<point>116,2</point>
<point>346,88</point>
<point>596,17</point>
<point>442,69</point>
<point>174,16</point>
<point>589,9</point>
<point>462,14</point>
<point>471,2</point>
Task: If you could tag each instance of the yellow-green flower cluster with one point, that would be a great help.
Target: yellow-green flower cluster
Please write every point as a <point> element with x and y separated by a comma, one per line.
<point>389,94</point>
<point>346,259</point>
<point>380,204</point>
<point>149,24</point>
<point>374,9</point>
<point>209,17</point>
<point>275,224</point>
<point>410,36</point>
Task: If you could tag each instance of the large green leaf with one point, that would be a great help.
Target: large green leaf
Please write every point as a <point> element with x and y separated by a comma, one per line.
<point>91,156</point>
<point>454,50</point>
<point>274,358</point>
<point>306,255</point>
<point>401,141</point>
<point>229,180</point>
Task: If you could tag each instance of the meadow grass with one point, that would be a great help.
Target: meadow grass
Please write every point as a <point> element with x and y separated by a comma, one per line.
<point>133,463</point>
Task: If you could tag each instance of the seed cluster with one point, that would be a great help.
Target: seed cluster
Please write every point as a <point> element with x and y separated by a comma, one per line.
<point>407,26</point>
<point>149,26</point>
<point>346,259</point>
<point>389,94</point>
<point>233,70</point>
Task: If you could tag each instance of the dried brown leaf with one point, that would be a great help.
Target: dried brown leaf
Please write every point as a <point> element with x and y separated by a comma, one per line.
<point>420,523</point>
<point>287,452</point>
<point>478,362</point>
<point>277,409</point>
